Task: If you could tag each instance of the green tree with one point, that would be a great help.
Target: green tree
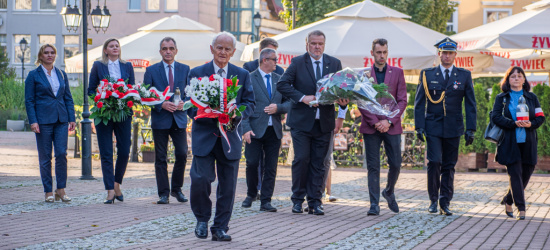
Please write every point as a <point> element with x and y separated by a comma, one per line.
<point>479,145</point>
<point>6,72</point>
<point>495,91</point>
<point>429,13</point>
<point>543,132</point>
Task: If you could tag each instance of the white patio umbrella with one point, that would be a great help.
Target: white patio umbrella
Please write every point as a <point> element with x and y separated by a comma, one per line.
<point>503,40</point>
<point>351,30</point>
<point>142,48</point>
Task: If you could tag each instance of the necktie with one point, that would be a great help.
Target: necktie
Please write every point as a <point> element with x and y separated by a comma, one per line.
<point>317,71</point>
<point>268,85</point>
<point>170,78</point>
<point>220,72</point>
<point>446,76</point>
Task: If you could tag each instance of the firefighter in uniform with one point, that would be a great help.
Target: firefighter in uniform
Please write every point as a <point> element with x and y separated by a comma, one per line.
<point>438,117</point>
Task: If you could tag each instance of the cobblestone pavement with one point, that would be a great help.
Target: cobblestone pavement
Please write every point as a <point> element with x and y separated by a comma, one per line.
<point>478,222</point>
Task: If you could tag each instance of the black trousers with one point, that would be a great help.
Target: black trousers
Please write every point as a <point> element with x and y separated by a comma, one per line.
<point>442,157</point>
<point>308,170</point>
<point>203,173</point>
<point>392,145</point>
<point>520,174</point>
<point>267,148</point>
<point>179,139</point>
<point>123,133</point>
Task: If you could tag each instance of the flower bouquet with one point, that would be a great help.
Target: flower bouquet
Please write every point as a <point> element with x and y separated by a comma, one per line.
<point>115,98</point>
<point>346,84</point>
<point>215,97</point>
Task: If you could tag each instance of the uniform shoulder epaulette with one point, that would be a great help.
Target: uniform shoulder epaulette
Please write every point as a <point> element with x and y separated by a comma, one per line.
<point>462,69</point>
<point>430,69</point>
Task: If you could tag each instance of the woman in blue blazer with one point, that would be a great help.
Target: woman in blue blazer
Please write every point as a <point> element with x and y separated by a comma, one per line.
<point>50,110</point>
<point>111,65</point>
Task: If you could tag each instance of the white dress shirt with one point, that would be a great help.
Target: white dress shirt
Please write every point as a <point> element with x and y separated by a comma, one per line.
<point>52,78</point>
<point>269,123</point>
<point>443,70</point>
<point>166,69</point>
<point>216,69</point>
<point>114,69</point>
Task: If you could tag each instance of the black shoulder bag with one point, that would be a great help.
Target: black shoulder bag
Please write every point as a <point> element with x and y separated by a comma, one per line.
<point>494,133</point>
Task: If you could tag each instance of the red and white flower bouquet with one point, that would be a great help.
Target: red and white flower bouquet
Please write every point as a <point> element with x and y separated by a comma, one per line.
<point>115,98</point>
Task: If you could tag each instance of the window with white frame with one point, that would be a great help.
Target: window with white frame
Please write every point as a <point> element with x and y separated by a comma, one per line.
<point>3,41</point>
<point>70,45</point>
<point>452,23</point>
<point>153,5</point>
<point>134,5</point>
<point>23,4</point>
<point>3,4</point>
<point>46,39</point>
<point>171,5</point>
<point>17,49</point>
<point>48,4</point>
<point>491,15</point>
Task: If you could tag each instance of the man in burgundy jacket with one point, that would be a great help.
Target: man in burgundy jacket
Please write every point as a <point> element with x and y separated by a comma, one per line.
<point>377,129</point>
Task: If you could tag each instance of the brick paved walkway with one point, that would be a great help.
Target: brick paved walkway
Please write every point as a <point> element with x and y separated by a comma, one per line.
<point>479,220</point>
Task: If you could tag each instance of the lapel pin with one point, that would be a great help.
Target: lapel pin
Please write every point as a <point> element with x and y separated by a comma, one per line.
<point>390,71</point>
<point>436,74</point>
<point>455,74</point>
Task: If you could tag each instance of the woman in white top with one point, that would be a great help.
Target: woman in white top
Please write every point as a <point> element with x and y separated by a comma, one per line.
<point>112,66</point>
<point>50,110</point>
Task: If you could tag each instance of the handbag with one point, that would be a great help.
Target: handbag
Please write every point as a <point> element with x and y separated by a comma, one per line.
<point>494,133</point>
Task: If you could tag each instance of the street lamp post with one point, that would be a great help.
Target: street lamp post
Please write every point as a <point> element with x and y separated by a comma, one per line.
<point>257,23</point>
<point>100,21</point>
<point>23,44</point>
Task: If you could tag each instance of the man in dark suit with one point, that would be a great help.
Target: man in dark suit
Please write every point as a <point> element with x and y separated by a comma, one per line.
<point>438,116</point>
<point>266,43</point>
<point>378,128</point>
<point>211,152</point>
<point>263,131</point>
<point>169,120</point>
<point>311,126</point>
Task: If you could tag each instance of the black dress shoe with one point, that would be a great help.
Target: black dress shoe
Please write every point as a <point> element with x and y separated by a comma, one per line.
<point>445,210</point>
<point>201,230</point>
<point>258,196</point>
<point>220,235</point>
<point>318,210</point>
<point>179,196</point>
<point>297,208</point>
<point>163,200</point>
<point>120,197</point>
<point>248,201</point>
<point>392,204</point>
<point>433,207</point>
<point>267,207</point>
<point>374,210</point>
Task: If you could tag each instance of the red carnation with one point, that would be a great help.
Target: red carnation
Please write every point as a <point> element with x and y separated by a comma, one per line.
<point>96,98</point>
<point>105,80</point>
<point>129,86</point>
<point>99,105</point>
<point>130,104</point>
<point>228,82</point>
<point>108,93</point>
<point>211,78</point>
<point>200,78</point>
<point>120,80</point>
<point>223,118</point>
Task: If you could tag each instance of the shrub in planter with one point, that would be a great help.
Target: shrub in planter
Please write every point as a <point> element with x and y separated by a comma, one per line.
<point>147,152</point>
<point>479,146</point>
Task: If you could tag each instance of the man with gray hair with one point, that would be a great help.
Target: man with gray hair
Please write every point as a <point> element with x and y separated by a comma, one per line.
<point>212,155</point>
<point>263,131</point>
<point>169,120</point>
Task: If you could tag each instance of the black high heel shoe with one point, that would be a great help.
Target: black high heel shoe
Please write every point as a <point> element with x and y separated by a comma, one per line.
<point>510,214</point>
<point>112,201</point>
<point>520,217</point>
<point>120,197</point>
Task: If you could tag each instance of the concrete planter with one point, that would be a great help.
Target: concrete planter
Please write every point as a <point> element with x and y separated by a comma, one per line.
<point>492,164</point>
<point>543,163</point>
<point>471,162</point>
<point>148,156</point>
<point>15,125</point>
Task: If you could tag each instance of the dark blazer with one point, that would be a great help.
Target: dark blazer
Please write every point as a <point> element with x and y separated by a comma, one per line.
<point>508,151</point>
<point>431,117</point>
<point>255,64</point>
<point>205,131</point>
<point>259,119</point>
<point>43,106</point>
<point>298,81</point>
<point>101,70</point>
<point>155,76</point>
<point>395,79</point>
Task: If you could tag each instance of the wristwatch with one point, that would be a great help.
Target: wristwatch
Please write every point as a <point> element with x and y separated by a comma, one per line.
<point>391,123</point>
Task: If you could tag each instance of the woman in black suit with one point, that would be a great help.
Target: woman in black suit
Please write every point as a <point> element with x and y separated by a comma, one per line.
<point>50,110</point>
<point>112,66</point>
<point>518,148</point>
